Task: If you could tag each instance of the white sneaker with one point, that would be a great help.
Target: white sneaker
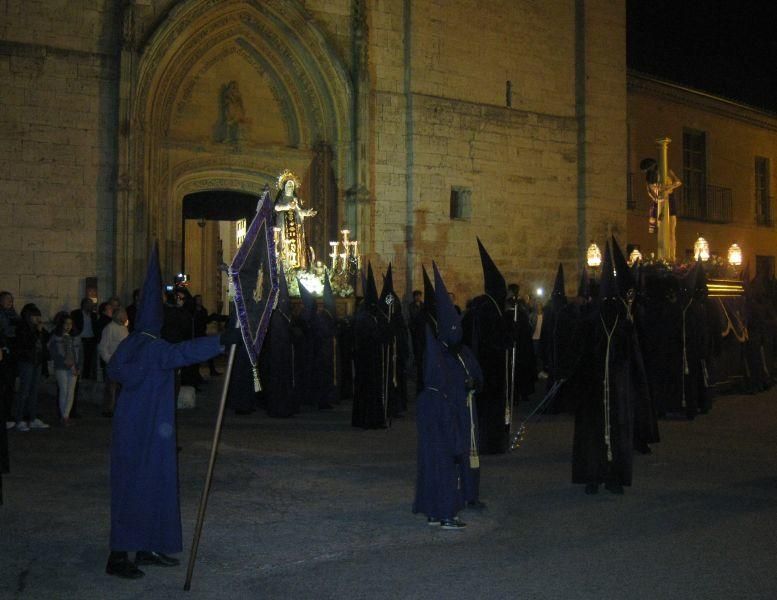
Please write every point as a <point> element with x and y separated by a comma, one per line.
<point>10,424</point>
<point>38,424</point>
<point>22,426</point>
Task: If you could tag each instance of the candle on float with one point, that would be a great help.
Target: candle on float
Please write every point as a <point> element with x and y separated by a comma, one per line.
<point>334,254</point>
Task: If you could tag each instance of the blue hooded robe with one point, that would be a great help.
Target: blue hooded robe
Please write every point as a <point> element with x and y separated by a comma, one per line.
<point>145,510</point>
<point>447,423</point>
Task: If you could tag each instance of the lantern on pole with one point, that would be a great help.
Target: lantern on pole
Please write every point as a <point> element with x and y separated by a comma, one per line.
<point>593,256</point>
<point>735,255</point>
<point>635,256</point>
<point>701,249</point>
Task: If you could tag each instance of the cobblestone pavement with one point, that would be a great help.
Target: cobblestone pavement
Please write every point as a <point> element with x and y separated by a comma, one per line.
<point>312,508</point>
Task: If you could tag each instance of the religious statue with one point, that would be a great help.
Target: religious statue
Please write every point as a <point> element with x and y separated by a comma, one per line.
<point>233,114</point>
<point>290,218</point>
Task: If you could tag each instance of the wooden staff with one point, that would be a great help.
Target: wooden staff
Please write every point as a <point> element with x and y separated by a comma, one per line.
<point>209,477</point>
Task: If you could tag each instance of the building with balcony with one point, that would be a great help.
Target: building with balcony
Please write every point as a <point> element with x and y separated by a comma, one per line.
<point>722,151</point>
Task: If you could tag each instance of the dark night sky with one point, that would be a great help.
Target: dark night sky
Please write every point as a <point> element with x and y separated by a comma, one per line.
<point>726,48</point>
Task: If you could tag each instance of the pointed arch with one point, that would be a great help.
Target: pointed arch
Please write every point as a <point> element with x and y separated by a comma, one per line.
<point>279,42</point>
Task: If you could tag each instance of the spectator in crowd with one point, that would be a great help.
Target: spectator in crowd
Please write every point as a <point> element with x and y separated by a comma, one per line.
<point>115,303</point>
<point>9,319</point>
<point>66,354</point>
<point>104,316</point>
<point>30,358</point>
<point>85,323</point>
<point>132,310</point>
<point>110,339</point>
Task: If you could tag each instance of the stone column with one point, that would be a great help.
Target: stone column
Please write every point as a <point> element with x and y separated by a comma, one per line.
<point>131,233</point>
<point>358,210</point>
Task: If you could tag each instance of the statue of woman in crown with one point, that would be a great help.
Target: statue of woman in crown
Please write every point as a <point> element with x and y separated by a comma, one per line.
<point>290,218</point>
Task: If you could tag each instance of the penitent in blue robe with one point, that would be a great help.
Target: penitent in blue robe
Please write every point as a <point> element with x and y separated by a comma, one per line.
<point>145,511</point>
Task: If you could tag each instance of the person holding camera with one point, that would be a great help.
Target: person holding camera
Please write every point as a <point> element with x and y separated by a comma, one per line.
<point>31,355</point>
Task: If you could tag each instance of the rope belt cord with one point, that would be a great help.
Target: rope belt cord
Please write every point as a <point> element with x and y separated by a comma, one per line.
<point>730,325</point>
<point>507,387</point>
<point>394,362</point>
<point>474,459</point>
<point>686,370</point>
<point>609,334</point>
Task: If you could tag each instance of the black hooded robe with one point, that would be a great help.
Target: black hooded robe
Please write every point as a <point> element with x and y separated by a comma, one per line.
<point>371,335</point>
<point>594,459</point>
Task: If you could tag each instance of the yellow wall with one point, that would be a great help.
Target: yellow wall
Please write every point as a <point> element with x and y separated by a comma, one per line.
<point>735,135</point>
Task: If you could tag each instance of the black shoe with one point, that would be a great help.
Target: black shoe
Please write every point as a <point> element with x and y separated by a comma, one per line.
<point>643,448</point>
<point>453,524</point>
<point>614,487</point>
<point>591,488</point>
<point>433,521</point>
<point>123,567</point>
<point>75,415</point>
<point>476,505</point>
<point>156,558</point>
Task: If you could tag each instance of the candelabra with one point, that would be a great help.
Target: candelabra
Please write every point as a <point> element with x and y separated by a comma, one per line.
<point>345,263</point>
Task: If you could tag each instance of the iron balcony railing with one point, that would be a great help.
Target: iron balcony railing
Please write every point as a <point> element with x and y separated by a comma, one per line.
<point>712,203</point>
<point>764,211</point>
<point>631,196</point>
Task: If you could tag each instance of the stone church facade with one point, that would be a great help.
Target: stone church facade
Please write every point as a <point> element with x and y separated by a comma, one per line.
<point>416,124</point>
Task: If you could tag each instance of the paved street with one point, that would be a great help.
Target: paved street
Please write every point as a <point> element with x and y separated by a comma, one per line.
<point>312,508</point>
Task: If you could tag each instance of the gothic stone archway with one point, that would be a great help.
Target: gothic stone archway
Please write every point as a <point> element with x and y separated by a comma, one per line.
<point>225,95</point>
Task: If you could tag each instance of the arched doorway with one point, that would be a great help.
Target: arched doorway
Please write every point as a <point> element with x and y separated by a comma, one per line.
<point>211,223</point>
<point>225,96</point>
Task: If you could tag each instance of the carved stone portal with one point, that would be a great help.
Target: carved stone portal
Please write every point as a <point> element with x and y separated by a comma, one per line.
<point>223,97</point>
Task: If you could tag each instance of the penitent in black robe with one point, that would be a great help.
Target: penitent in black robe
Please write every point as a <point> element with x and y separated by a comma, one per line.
<point>278,370</point>
<point>490,334</point>
<point>370,402</point>
<point>604,422</point>
<point>315,359</point>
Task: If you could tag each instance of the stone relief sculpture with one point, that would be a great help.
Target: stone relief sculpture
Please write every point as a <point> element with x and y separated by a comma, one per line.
<point>233,122</point>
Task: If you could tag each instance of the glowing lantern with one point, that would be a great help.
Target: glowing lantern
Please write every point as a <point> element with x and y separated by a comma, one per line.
<point>635,256</point>
<point>593,256</point>
<point>735,255</point>
<point>701,250</point>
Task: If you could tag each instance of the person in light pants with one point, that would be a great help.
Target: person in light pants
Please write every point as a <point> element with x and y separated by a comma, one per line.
<point>67,355</point>
<point>112,336</point>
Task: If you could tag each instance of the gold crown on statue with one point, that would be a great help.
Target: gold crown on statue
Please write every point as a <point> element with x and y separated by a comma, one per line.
<point>286,176</point>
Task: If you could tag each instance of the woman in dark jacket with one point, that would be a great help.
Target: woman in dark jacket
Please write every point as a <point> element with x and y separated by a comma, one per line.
<point>30,354</point>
